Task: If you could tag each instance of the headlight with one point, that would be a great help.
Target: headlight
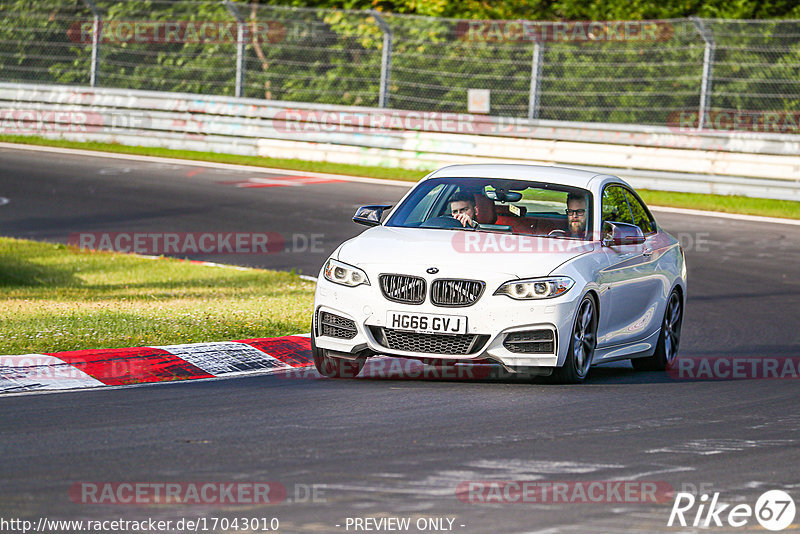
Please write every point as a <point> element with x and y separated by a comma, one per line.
<point>536,288</point>
<point>346,275</point>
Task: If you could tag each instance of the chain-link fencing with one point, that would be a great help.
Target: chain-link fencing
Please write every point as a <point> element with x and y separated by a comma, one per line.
<point>691,71</point>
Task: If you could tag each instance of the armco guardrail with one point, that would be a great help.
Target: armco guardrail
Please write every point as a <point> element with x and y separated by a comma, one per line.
<point>745,163</point>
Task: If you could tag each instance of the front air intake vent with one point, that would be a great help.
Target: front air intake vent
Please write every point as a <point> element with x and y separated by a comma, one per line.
<point>531,342</point>
<point>456,345</point>
<point>336,326</point>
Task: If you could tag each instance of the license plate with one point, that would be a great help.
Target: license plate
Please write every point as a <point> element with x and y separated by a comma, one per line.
<point>426,323</point>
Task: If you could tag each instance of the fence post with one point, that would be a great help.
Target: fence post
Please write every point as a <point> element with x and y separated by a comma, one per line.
<point>708,65</point>
<point>96,30</point>
<point>536,80</point>
<point>386,59</point>
<point>240,47</point>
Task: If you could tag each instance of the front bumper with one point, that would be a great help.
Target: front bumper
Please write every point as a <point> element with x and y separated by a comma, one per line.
<point>490,322</point>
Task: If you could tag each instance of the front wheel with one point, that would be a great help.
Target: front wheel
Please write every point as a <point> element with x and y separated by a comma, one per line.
<point>334,367</point>
<point>583,341</point>
<point>669,339</point>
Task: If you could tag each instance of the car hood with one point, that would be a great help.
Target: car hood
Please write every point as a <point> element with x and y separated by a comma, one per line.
<point>459,252</point>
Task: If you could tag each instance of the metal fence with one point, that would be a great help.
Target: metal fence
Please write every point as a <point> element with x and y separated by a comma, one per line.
<point>641,72</point>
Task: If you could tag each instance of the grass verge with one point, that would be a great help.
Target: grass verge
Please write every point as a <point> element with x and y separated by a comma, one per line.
<point>724,203</point>
<point>57,298</point>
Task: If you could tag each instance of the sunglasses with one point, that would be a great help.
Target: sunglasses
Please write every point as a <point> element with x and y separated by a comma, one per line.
<point>575,212</point>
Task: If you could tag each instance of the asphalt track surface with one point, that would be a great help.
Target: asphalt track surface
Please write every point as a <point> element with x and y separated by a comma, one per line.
<point>382,447</point>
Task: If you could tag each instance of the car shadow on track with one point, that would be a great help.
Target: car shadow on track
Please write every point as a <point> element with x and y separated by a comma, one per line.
<point>380,369</point>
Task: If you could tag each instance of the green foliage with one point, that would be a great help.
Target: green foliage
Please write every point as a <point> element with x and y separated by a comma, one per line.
<point>568,9</point>
<point>34,42</point>
<point>301,50</point>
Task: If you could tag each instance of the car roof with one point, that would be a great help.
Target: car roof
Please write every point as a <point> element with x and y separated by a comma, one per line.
<point>512,171</point>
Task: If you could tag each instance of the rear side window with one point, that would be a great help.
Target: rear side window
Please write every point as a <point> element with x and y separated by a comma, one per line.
<point>640,216</point>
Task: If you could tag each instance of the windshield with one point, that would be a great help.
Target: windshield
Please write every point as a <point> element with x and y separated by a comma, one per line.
<point>497,205</point>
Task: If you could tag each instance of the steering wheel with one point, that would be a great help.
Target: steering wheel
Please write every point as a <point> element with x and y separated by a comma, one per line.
<point>557,233</point>
<point>443,221</point>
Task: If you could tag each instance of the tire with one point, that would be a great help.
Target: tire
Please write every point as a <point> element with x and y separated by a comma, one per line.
<point>333,367</point>
<point>583,340</point>
<point>668,340</point>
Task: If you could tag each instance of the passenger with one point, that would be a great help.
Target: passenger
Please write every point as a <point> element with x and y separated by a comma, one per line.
<point>577,214</point>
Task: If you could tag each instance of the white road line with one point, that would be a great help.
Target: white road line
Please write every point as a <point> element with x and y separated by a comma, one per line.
<point>376,181</point>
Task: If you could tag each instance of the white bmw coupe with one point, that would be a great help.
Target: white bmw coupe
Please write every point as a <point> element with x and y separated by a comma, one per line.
<point>543,270</point>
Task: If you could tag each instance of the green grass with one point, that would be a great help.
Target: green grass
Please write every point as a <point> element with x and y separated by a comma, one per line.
<point>57,298</point>
<point>766,207</point>
<point>731,204</point>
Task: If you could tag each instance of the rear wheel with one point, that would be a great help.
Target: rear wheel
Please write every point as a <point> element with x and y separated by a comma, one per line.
<point>333,367</point>
<point>668,341</point>
<point>583,341</point>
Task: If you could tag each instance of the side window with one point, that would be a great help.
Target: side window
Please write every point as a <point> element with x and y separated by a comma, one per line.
<point>640,216</point>
<point>615,207</point>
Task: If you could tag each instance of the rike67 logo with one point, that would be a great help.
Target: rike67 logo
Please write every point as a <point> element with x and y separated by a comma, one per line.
<point>774,510</point>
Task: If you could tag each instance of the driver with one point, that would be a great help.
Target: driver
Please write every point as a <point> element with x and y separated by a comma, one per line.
<point>462,208</point>
<point>576,215</point>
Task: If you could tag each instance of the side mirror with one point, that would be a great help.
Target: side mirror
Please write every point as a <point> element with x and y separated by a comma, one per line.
<point>620,233</point>
<point>370,215</point>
